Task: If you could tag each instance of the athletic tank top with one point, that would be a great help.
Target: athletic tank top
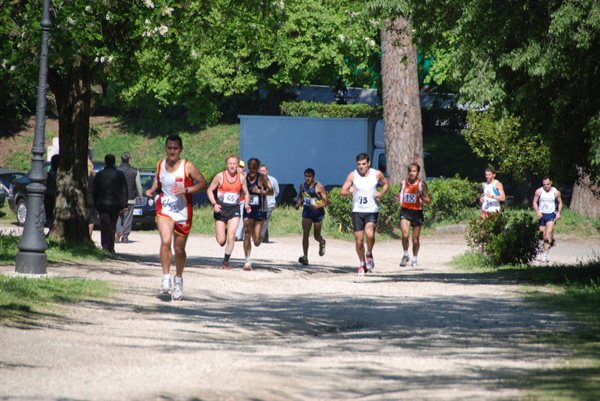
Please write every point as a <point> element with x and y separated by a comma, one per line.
<point>310,196</point>
<point>547,201</point>
<point>363,197</point>
<point>256,200</point>
<point>228,194</point>
<point>410,195</point>
<point>176,207</point>
<point>490,205</point>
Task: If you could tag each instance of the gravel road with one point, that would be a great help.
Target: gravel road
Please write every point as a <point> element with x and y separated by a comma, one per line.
<point>286,331</point>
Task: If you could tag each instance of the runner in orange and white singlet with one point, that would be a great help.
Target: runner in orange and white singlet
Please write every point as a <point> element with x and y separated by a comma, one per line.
<point>177,179</point>
<point>413,194</point>
<point>229,186</point>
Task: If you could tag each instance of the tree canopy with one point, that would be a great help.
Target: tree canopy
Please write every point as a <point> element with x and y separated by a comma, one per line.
<point>534,64</point>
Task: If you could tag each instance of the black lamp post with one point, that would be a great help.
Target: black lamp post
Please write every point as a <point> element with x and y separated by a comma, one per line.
<point>31,258</point>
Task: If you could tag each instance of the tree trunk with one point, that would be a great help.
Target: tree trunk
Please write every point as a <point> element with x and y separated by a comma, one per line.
<point>585,199</point>
<point>73,99</point>
<point>403,132</point>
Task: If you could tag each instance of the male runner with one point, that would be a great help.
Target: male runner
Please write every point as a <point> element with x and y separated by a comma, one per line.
<point>544,203</point>
<point>229,185</point>
<point>362,185</point>
<point>412,195</point>
<point>178,179</point>
<point>314,198</point>
<point>493,193</point>
<point>258,186</point>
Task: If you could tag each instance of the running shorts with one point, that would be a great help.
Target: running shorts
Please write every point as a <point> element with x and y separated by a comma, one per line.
<point>360,220</point>
<point>227,213</point>
<point>546,218</point>
<point>414,216</point>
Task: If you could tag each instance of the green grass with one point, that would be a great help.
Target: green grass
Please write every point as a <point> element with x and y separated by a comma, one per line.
<point>23,298</point>
<point>58,251</point>
<point>573,290</point>
<point>206,148</point>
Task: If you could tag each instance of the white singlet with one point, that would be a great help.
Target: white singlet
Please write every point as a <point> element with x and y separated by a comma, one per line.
<point>490,205</point>
<point>363,197</point>
<point>547,201</point>
<point>176,207</point>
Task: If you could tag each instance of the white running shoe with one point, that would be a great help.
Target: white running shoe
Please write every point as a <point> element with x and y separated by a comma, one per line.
<point>361,271</point>
<point>404,260</point>
<point>415,265</point>
<point>370,263</point>
<point>545,259</point>
<point>177,294</point>
<point>248,266</point>
<point>165,288</point>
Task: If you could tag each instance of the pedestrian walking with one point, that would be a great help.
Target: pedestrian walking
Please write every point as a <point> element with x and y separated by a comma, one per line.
<point>134,191</point>
<point>110,198</point>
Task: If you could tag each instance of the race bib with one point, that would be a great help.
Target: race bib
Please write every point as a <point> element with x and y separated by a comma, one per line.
<point>308,201</point>
<point>230,198</point>
<point>410,198</point>
<point>254,200</point>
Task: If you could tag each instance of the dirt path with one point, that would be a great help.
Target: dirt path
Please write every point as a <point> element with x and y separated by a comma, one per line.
<point>285,331</point>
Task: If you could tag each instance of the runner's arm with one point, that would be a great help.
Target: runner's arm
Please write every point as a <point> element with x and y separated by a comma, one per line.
<point>560,204</point>
<point>348,188</point>
<point>323,194</point>
<point>425,194</point>
<point>299,200</point>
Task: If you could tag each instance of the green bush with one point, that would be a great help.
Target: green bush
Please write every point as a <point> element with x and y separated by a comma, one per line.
<point>316,109</point>
<point>451,200</point>
<point>510,237</point>
<point>339,211</point>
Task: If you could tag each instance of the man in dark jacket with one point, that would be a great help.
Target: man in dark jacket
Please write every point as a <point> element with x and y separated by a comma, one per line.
<point>50,194</point>
<point>134,190</point>
<point>110,197</point>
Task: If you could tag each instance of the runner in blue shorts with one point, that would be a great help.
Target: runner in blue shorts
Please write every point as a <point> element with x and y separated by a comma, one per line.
<point>259,187</point>
<point>545,203</point>
<point>314,199</point>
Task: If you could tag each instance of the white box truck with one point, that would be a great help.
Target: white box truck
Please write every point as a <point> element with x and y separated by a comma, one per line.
<point>290,145</point>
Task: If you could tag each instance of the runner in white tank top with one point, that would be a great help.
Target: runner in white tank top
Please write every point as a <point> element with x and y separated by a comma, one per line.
<point>178,179</point>
<point>362,185</point>
<point>545,203</point>
<point>363,197</point>
<point>493,193</point>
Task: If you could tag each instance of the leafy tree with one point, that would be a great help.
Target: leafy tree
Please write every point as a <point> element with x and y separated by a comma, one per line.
<point>88,41</point>
<point>537,63</point>
<point>239,47</point>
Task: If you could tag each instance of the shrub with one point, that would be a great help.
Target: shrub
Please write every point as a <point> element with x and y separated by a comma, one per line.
<point>316,109</point>
<point>339,211</point>
<point>451,200</point>
<point>510,237</point>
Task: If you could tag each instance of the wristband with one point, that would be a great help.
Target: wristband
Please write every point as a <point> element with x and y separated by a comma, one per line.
<point>186,190</point>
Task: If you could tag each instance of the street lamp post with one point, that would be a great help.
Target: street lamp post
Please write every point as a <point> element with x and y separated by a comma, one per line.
<point>31,258</point>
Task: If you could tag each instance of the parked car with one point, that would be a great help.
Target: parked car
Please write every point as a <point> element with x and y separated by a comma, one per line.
<point>144,212</point>
<point>17,197</point>
<point>7,176</point>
